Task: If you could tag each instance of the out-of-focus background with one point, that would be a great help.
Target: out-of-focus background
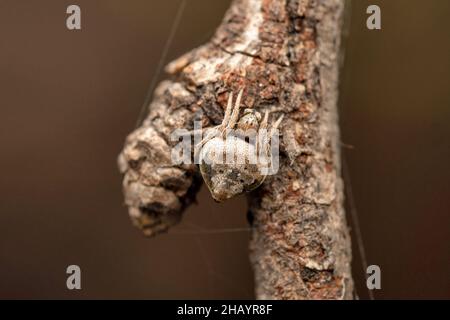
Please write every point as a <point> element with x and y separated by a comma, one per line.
<point>69,98</point>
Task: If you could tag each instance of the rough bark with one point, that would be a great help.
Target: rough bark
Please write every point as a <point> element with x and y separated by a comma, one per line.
<point>285,54</point>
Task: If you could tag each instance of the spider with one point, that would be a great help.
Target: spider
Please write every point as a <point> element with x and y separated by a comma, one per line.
<point>227,176</point>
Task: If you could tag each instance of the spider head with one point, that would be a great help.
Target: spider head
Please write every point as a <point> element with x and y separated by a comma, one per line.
<point>249,120</point>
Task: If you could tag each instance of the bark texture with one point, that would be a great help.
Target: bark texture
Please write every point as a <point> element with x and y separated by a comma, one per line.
<point>285,54</point>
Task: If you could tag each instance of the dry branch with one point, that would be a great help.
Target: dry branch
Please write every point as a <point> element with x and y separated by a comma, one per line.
<point>285,54</point>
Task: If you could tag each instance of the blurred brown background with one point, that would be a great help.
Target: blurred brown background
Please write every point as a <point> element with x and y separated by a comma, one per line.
<point>69,98</point>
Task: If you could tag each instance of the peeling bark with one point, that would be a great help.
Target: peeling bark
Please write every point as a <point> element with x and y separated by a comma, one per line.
<point>285,54</point>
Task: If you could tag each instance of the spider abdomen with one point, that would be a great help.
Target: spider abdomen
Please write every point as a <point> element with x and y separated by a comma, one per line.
<point>230,167</point>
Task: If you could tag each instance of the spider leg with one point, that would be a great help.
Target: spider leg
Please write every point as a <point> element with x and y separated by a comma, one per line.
<point>272,132</point>
<point>210,134</point>
<point>213,132</point>
<point>276,124</point>
<point>261,132</point>
<point>265,137</point>
<point>235,114</point>
<point>226,118</point>
<point>224,123</point>
<point>265,121</point>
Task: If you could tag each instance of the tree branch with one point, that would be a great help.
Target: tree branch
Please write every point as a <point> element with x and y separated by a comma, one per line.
<point>285,54</point>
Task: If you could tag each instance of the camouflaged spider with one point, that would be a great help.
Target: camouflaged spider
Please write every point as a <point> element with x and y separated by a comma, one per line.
<point>227,176</point>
